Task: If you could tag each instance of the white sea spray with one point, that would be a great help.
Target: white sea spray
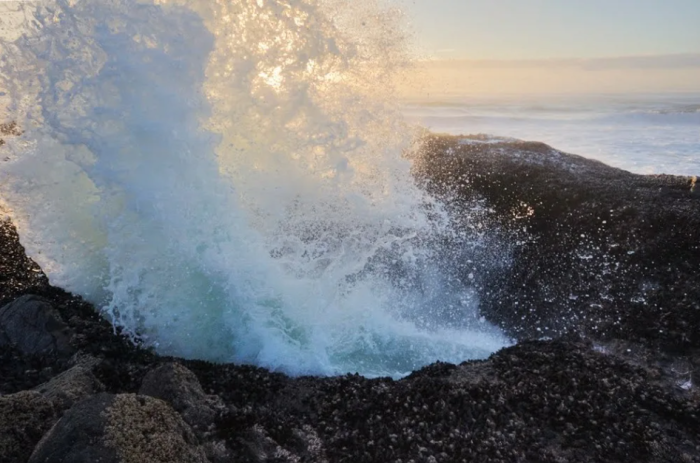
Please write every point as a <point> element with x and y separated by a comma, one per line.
<point>227,181</point>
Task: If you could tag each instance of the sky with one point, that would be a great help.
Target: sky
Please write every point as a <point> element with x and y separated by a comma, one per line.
<point>550,46</point>
<point>558,45</point>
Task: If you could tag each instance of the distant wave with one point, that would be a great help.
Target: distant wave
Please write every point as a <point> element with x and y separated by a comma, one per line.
<point>690,109</point>
<point>668,117</point>
<point>533,114</point>
<point>640,133</point>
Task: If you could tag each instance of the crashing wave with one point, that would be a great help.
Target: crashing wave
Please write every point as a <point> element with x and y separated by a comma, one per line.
<point>228,181</point>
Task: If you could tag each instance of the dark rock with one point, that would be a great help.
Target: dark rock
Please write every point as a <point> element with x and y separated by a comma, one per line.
<point>10,129</point>
<point>91,334</point>
<point>264,449</point>
<point>24,418</point>
<point>71,386</point>
<point>79,435</point>
<point>125,428</point>
<point>593,249</point>
<point>18,273</point>
<point>624,391</point>
<point>34,326</point>
<point>217,451</point>
<point>178,386</point>
<point>20,371</point>
<point>308,446</point>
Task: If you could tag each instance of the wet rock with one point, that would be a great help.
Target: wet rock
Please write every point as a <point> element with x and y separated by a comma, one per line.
<point>19,371</point>
<point>304,445</point>
<point>474,373</point>
<point>34,326</point>
<point>178,386</point>
<point>593,249</point>
<point>24,418</point>
<point>217,451</point>
<point>18,273</point>
<point>71,386</point>
<point>125,428</point>
<point>613,395</point>
<point>264,449</point>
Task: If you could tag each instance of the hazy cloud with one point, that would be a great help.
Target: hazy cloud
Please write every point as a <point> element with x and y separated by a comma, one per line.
<point>676,61</point>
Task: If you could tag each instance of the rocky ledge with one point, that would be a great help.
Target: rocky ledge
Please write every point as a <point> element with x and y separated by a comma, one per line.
<point>615,381</point>
<point>594,249</point>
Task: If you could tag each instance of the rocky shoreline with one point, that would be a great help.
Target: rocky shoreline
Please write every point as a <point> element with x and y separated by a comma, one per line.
<point>609,253</point>
<point>605,265</point>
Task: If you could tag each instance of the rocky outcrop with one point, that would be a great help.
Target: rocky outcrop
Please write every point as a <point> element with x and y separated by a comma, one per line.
<point>18,274</point>
<point>24,418</point>
<point>178,386</point>
<point>71,386</point>
<point>591,248</point>
<point>125,428</point>
<point>32,325</point>
<point>618,383</point>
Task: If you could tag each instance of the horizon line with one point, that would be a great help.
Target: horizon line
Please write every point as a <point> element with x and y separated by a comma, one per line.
<point>647,61</point>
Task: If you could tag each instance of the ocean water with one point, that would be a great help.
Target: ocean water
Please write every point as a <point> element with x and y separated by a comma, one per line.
<point>228,181</point>
<point>641,133</point>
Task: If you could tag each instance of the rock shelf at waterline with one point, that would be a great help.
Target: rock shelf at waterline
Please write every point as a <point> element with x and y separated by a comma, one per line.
<point>604,266</point>
<point>597,249</point>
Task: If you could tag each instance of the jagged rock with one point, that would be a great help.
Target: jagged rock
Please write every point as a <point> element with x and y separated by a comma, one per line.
<point>264,449</point>
<point>20,372</point>
<point>304,445</point>
<point>34,326</point>
<point>474,373</point>
<point>24,418</point>
<point>178,386</point>
<point>217,451</point>
<point>18,273</point>
<point>570,399</point>
<point>126,428</point>
<point>71,386</point>
<point>591,248</point>
<point>311,444</point>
